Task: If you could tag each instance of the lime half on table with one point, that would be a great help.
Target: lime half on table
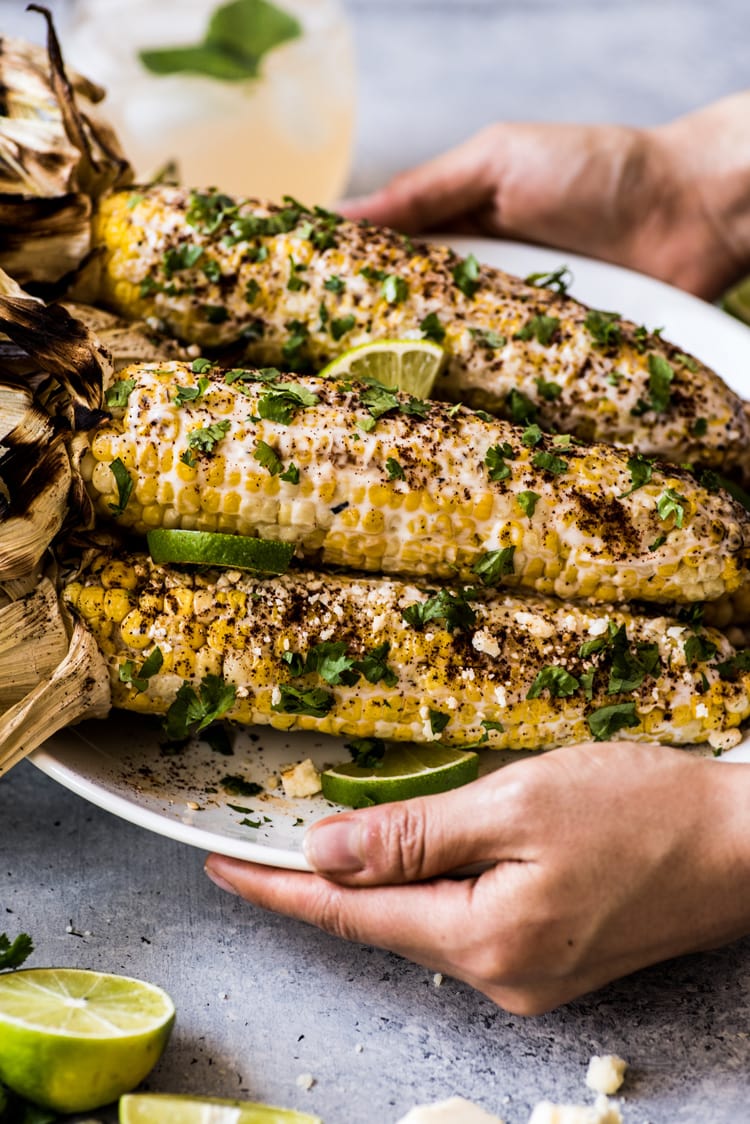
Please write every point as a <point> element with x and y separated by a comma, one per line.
<point>408,365</point>
<point>73,1040</point>
<point>403,772</point>
<point>157,1108</point>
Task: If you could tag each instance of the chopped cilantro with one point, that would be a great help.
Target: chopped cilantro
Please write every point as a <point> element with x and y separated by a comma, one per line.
<point>541,328</point>
<point>339,327</point>
<point>204,439</point>
<point>184,256</point>
<point>487,338</point>
<point>603,327</point>
<point>257,253</point>
<point>560,280</point>
<point>660,375</point>
<point>334,284</point>
<point>394,469</point>
<point>495,457</point>
<point>671,503</point>
<point>559,682</point>
<point>191,393</point>
<point>13,953</point>
<point>207,211</point>
<point>686,361</point>
<point>531,436</point>
<point>548,390</point>
<point>549,462</point>
<point>235,785</point>
<point>641,470</point>
<point>200,366</point>
<point>607,720</point>
<point>284,400</point>
<point>451,608</point>
<point>432,329</point>
<point>527,502</point>
<point>124,483</point>
<point>699,648</point>
<point>630,667</point>
<point>292,347</point>
<point>730,669</point>
<point>217,737</point>
<point>211,269</point>
<point>139,680</point>
<point>522,410</point>
<point>193,710</point>
<point>295,282</point>
<point>699,427</point>
<point>438,720</point>
<point>252,289</point>
<point>658,541</point>
<point>290,474</point>
<point>494,565</point>
<point>374,665</point>
<point>119,392</point>
<point>489,725</point>
<point>380,400</point>
<point>268,458</point>
<point>367,752</point>
<point>395,289</point>
<point>215,313</point>
<point>466,276</point>
<point>315,702</point>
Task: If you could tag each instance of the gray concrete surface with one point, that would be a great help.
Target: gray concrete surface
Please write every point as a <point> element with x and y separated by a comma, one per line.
<point>261,999</point>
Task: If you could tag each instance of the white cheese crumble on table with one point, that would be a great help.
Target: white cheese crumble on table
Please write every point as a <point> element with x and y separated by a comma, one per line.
<point>606,1073</point>
<point>601,1112</point>
<point>305,1081</point>
<point>454,1111</point>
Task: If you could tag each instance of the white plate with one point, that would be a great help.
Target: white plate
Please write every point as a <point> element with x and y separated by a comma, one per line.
<point>119,764</point>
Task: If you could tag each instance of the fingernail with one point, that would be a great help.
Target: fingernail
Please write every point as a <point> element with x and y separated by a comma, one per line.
<point>220,882</point>
<point>334,848</point>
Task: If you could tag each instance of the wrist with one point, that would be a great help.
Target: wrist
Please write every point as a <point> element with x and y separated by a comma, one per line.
<point>725,845</point>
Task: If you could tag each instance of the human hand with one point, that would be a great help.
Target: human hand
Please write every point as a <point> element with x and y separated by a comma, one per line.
<point>606,858</point>
<point>673,201</point>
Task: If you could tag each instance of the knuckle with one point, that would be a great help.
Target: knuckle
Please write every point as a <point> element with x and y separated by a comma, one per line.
<point>328,912</point>
<point>401,842</point>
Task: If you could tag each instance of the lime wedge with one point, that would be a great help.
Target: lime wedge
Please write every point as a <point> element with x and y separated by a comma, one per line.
<point>409,365</point>
<point>156,1108</point>
<point>737,301</point>
<point>204,548</point>
<point>73,1040</point>
<point>403,772</point>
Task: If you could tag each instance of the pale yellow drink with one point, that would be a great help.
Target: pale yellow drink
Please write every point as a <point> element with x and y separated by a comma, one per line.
<point>287,131</point>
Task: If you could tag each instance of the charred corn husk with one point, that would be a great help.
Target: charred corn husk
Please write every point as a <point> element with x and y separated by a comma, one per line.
<point>421,488</point>
<point>402,662</point>
<point>295,287</point>
<point>56,159</point>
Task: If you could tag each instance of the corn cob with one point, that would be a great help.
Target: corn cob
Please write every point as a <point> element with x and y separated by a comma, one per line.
<point>295,288</point>
<point>425,489</point>
<point>374,657</point>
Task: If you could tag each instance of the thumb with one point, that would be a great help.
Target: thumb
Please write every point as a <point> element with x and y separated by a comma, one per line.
<point>431,195</point>
<point>416,839</point>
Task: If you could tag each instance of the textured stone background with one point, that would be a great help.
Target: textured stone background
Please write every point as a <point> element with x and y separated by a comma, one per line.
<point>262,999</point>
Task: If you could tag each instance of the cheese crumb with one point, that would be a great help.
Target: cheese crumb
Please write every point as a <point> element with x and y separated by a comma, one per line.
<point>305,1081</point>
<point>724,739</point>
<point>302,779</point>
<point>484,642</point>
<point>606,1073</point>
<point>457,1110</point>
<point>601,1112</point>
<point>437,979</point>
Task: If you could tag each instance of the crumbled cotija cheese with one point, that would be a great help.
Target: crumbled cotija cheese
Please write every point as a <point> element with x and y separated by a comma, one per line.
<point>601,1112</point>
<point>454,1111</point>
<point>302,779</point>
<point>605,1074</point>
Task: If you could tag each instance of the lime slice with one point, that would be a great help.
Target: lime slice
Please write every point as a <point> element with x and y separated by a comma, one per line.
<point>73,1040</point>
<point>237,552</point>
<point>155,1108</point>
<point>410,365</point>
<point>404,771</point>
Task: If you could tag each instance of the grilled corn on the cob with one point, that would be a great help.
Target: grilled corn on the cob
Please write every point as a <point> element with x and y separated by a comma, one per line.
<point>360,477</point>
<point>372,657</point>
<point>295,287</point>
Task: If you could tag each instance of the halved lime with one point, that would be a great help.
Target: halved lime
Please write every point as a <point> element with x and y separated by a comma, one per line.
<point>409,365</point>
<point>403,772</point>
<point>737,301</point>
<point>72,1040</point>
<point>161,1108</point>
<point>205,548</point>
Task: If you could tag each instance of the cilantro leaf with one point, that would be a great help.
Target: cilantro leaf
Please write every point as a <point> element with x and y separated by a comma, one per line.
<point>541,328</point>
<point>184,256</point>
<point>339,327</point>
<point>334,284</point>
<point>603,327</point>
<point>641,470</point>
<point>13,954</point>
<point>494,565</point>
<point>699,427</point>
<point>119,392</point>
<point>438,720</point>
<point>281,403</point>
<point>527,502</point>
<point>193,710</point>
<point>235,785</point>
<point>395,289</point>
<point>368,753</point>
<point>330,661</point>
<point>200,366</point>
<point>660,375</point>
<point>139,680</point>
<point>451,608</point>
<point>315,702</point>
<point>494,458</point>
<point>191,393</point>
<point>550,463</point>
<point>531,436</point>
<point>522,410</point>
<point>432,329</point>
<point>394,469</point>
<point>487,338</point>
<point>124,483</point>
<point>671,503</point>
<point>730,669</point>
<point>374,665</point>
<point>204,439</point>
<point>466,276</point>
<point>268,458</point>
<point>607,720</point>
<point>290,474</point>
<point>699,648</point>
<point>550,391</point>
<point>559,682</point>
<point>560,280</point>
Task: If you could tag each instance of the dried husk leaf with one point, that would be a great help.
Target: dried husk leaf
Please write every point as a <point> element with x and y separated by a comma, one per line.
<point>57,156</point>
<point>35,622</point>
